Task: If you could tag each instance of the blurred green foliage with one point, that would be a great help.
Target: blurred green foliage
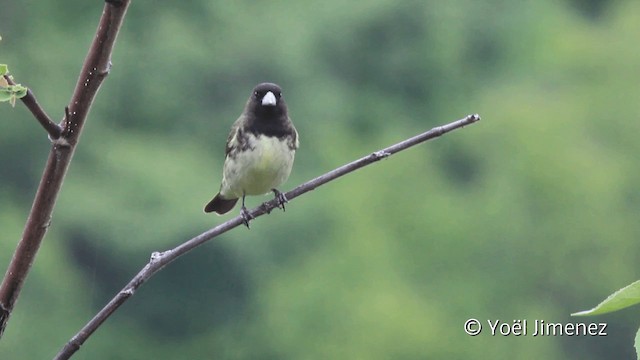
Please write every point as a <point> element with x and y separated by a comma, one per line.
<point>530,214</point>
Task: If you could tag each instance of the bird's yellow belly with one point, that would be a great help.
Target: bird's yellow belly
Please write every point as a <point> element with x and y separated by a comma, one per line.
<point>262,168</point>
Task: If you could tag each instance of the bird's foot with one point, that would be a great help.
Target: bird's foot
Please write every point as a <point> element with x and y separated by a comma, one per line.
<point>281,199</point>
<point>246,216</point>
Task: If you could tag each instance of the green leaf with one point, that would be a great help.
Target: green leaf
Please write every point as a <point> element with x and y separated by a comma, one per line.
<point>5,94</point>
<point>11,93</point>
<point>4,69</point>
<point>623,298</point>
<point>19,91</point>
<point>636,343</point>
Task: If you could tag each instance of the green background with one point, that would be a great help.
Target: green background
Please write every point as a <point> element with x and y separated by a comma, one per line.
<point>530,214</point>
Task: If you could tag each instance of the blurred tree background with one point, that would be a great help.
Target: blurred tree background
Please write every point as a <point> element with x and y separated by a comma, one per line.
<point>530,214</point>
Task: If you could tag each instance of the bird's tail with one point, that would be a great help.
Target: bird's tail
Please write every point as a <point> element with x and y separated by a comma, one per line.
<point>220,205</point>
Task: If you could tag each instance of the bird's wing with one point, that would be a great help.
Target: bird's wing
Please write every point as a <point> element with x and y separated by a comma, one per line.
<point>232,139</point>
<point>294,141</point>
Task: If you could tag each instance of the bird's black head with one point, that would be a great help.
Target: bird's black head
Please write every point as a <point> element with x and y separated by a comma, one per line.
<point>266,100</point>
<point>266,112</point>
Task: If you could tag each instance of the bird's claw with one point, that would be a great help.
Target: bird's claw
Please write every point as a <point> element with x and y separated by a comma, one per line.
<point>246,216</point>
<point>281,199</point>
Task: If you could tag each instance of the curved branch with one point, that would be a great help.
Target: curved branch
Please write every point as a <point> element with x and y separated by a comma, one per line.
<point>38,112</point>
<point>94,70</point>
<point>161,259</point>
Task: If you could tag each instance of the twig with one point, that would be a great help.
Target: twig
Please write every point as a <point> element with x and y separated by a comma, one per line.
<point>161,259</point>
<point>38,112</point>
<point>95,68</point>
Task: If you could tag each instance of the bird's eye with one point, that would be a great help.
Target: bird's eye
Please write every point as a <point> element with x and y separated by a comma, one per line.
<point>279,95</point>
<point>256,94</point>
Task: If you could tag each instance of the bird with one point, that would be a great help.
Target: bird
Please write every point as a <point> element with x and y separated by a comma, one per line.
<point>259,152</point>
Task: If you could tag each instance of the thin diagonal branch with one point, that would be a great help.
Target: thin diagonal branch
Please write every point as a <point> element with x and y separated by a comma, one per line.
<point>161,259</point>
<point>38,112</point>
<point>94,70</point>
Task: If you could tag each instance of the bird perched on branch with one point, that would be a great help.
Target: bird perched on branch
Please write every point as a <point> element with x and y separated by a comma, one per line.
<point>259,152</point>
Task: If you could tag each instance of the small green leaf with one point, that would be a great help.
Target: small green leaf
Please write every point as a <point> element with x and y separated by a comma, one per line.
<point>5,94</point>
<point>3,69</point>
<point>636,343</point>
<point>11,93</point>
<point>19,91</point>
<point>623,298</point>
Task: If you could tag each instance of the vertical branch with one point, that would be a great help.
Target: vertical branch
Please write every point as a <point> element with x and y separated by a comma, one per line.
<point>94,70</point>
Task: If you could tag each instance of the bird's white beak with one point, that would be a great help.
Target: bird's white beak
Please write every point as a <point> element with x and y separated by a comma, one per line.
<point>269,99</point>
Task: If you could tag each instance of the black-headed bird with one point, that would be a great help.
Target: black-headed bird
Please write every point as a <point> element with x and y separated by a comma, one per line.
<point>259,152</point>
